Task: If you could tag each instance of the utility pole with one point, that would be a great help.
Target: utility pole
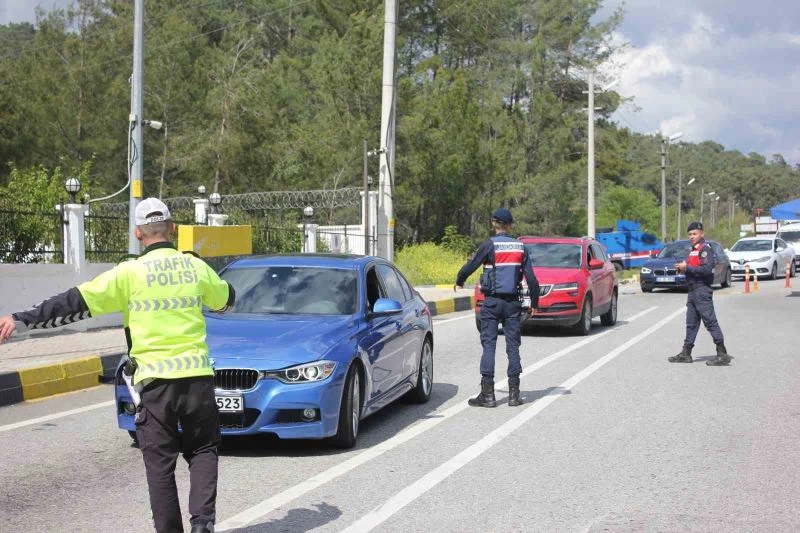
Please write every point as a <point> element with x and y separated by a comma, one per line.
<point>365,218</point>
<point>702,196</point>
<point>664,190</point>
<point>590,204</point>
<point>386,220</point>
<point>135,123</point>
<point>680,206</point>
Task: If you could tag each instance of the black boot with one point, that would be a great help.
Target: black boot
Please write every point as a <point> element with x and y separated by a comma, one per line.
<point>486,397</point>
<point>200,527</point>
<point>513,392</point>
<point>722,357</point>
<point>684,357</point>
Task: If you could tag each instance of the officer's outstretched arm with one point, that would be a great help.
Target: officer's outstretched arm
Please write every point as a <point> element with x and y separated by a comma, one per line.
<point>472,265</point>
<point>59,310</point>
<point>530,279</point>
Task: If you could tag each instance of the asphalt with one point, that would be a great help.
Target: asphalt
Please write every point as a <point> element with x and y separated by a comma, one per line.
<point>41,365</point>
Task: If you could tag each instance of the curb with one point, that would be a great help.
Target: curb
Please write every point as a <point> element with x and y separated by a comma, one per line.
<point>48,380</point>
<point>77,374</point>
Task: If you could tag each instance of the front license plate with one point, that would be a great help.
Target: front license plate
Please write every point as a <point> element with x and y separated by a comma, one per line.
<point>230,404</point>
<point>665,279</point>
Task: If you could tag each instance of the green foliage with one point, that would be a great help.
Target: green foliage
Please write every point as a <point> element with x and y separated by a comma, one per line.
<point>455,242</point>
<point>617,202</point>
<point>429,264</point>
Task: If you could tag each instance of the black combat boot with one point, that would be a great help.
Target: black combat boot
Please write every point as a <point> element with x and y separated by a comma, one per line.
<point>513,392</point>
<point>722,357</point>
<point>684,357</point>
<point>486,397</point>
<point>203,527</point>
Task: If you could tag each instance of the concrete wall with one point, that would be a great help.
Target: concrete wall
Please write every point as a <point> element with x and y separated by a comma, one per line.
<point>23,286</point>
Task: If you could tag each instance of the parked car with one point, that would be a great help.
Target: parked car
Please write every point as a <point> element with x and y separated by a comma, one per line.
<point>314,344</point>
<point>660,273</point>
<point>790,233</point>
<point>577,282</point>
<point>766,256</point>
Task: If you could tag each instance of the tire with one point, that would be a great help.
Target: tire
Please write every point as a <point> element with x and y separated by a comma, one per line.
<point>792,270</point>
<point>646,289</point>
<point>618,267</point>
<point>478,322</point>
<point>609,318</point>
<point>422,392</point>
<point>133,438</point>
<point>774,273</point>
<point>727,281</point>
<point>584,325</point>
<point>349,411</point>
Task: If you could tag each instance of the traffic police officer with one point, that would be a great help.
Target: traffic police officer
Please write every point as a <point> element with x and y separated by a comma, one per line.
<point>699,269</point>
<point>504,262</point>
<point>161,295</point>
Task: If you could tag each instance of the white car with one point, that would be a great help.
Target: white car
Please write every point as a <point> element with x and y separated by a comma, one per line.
<point>766,256</point>
<point>791,234</point>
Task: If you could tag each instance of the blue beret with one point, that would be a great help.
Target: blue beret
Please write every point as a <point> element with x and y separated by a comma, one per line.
<point>502,215</point>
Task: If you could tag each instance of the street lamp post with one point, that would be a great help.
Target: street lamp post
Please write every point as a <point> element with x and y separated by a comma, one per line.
<point>590,204</point>
<point>308,212</point>
<point>664,149</point>
<point>703,195</point>
<point>680,202</point>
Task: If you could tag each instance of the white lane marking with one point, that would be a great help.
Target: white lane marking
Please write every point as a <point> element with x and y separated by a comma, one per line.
<point>383,512</point>
<point>433,419</point>
<point>436,322</point>
<point>32,421</point>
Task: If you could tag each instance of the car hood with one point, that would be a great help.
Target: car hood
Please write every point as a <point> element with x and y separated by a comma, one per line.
<point>748,256</point>
<point>273,341</point>
<point>661,263</point>
<point>549,276</point>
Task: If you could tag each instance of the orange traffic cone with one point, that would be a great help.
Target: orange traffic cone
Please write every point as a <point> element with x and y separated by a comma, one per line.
<point>747,279</point>
<point>788,272</point>
<point>755,285</point>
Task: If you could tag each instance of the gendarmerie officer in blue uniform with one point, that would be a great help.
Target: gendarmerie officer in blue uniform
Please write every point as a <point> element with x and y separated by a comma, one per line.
<point>699,269</point>
<point>504,262</point>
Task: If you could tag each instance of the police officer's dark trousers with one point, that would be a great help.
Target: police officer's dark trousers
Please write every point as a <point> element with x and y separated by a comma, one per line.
<point>699,305</point>
<point>496,310</point>
<point>166,403</point>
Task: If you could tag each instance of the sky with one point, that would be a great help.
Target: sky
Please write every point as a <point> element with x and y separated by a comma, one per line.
<point>720,70</point>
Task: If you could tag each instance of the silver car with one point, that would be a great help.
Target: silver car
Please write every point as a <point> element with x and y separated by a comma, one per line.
<point>765,256</point>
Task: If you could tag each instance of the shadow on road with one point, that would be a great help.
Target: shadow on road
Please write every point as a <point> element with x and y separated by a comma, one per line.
<point>296,520</point>
<point>374,429</point>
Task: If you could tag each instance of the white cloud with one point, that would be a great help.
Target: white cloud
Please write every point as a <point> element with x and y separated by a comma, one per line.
<point>712,80</point>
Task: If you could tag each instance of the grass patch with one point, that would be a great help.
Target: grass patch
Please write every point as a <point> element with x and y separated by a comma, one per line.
<point>431,264</point>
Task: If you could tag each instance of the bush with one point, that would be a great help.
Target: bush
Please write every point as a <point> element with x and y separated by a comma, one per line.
<point>430,264</point>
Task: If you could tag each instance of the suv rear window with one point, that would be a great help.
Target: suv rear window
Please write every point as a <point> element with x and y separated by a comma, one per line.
<point>790,236</point>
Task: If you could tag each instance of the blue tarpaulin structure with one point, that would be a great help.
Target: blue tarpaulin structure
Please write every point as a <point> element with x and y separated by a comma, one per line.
<point>786,211</point>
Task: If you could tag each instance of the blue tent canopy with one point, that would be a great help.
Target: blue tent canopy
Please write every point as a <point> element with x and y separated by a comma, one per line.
<point>786,211</point>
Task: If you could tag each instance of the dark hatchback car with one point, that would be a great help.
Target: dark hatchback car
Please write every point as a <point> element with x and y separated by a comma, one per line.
<point>659,272</point>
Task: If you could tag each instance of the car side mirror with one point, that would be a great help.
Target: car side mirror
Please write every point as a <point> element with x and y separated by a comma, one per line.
<point>386,307</point>
<point>595,264</point>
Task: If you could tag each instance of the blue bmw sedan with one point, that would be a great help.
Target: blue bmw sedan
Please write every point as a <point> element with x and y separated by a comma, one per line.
<point>659,272</point>
<point>314,344</point>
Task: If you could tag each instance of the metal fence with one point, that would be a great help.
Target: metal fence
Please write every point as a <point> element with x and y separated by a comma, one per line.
<point>106,238</point>
<point>31,237</point>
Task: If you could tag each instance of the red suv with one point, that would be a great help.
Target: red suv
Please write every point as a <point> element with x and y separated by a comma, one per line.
<point>577,282</point>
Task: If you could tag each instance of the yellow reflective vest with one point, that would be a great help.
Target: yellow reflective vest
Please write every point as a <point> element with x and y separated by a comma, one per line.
<point>161,295</point>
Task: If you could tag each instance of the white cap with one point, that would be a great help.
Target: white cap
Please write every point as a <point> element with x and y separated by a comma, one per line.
<point>151,210</point>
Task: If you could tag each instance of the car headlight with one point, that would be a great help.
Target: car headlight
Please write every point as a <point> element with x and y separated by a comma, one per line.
<point>646,270</point>
<point>762,259</point>
<point>305,373</point>
<point>566,286</point>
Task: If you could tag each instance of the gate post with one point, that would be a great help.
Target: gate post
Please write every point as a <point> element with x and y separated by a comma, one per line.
<point>74,236</point>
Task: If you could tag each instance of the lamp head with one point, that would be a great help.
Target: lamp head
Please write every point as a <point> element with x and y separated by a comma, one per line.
<point>215,198</point>
<point>308,211</point>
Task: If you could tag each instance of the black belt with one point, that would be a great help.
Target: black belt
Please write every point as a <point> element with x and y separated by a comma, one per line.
<point>506,297</point>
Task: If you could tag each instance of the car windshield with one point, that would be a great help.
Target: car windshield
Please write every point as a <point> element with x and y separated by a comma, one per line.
<point>554,255</point>
<point>762,245</point>
<point>789,236</point>
<point>293,290</point>
<point>675,250</point>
